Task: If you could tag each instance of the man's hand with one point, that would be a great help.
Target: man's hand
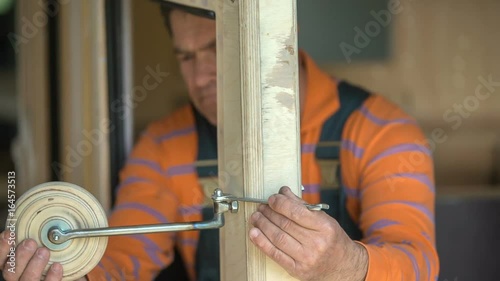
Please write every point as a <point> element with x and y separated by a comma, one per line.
<point>30,260</point>
<point>310,245</point>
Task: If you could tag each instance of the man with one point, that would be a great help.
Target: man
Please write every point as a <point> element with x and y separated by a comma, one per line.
<point>382,224</point>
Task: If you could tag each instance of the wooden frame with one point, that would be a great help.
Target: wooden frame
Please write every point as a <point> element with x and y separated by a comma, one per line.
<point>85,123</point>
<point>31,148</point>
<point>258,118</point>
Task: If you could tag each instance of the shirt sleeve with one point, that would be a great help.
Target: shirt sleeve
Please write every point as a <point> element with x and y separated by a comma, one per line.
<point>141,199</point>
<point>389,182</point>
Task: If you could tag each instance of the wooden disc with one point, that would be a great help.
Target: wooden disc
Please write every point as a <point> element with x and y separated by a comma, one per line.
<point>68,207</point>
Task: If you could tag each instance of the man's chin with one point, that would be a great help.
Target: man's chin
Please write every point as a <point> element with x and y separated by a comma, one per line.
<point>212,120</point>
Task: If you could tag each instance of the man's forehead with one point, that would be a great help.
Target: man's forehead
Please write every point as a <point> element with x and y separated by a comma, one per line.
<point>192,33</point>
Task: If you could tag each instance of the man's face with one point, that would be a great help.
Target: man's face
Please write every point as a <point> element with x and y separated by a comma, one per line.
<point>194,44</point>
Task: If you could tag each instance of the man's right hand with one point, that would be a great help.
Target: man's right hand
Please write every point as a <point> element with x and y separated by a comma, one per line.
<point>30,261</point>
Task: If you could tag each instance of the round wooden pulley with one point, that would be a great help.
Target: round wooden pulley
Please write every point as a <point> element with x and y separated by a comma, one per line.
<point>67,207</point>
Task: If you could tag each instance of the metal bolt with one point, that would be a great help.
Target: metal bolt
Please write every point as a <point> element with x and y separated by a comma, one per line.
<point>218,192</point>
<point>55,237</point>
<point>234,207</point>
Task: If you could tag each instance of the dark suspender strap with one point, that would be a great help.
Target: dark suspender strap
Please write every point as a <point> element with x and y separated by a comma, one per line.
<point>207,254</point>
<point>351,98</point>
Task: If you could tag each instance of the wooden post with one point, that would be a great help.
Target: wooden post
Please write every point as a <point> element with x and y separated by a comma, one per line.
<point>258,125</point>
<point>84,120</point>
<point>258,119</point>
<point>32,146</point>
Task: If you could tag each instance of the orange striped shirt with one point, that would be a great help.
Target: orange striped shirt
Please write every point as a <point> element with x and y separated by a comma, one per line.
<point>387,172</point>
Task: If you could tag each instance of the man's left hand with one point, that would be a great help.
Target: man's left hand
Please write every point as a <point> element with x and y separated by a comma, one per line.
<point>310,245</point>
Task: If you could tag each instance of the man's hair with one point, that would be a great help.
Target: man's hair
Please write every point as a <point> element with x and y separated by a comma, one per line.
<point>167,7</point>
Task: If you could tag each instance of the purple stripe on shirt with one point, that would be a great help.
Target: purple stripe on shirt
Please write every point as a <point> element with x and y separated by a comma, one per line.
<point>106,274</point>
<point>311,188</point>
<point>117,268</point>
<point>189,242</point>
<point>181,170</point>
<point>144,208</point>
<point>173,134</point>
<point>427,264</point>
<point>131,180</point>
<point>364,110</point>
<point>147,163</point>
<point>406,147</point>
<point>373,240</point>
<point>379,225</point>
<point>392,180</point>
<point>137,267</point>
<point>308,148</point>
<point>352,147</point>
<point>412,259</point>
<point>415,205</point>
<point>426,235</point>
<point>151,249</point>
<point>423,178</point>
<point>351,192</point>
<point>190,210</point>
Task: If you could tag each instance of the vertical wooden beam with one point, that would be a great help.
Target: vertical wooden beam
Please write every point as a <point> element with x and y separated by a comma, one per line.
<point>31,148</point>
<point>84,108</point>
<point>260,128</point>
<point>258,118</point>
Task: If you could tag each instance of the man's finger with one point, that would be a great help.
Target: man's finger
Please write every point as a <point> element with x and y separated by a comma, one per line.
<point>36,265</point>
<point>293,229</point>
<point>4,248</point>
<point>285,190</point>
<point>263,243</point>
<point>296,211</point>
<point>24,252</point>
<point>276,236</point>
<point>55,272</point>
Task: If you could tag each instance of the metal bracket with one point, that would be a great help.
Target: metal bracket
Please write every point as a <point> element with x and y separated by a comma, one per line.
<point>222,203</point>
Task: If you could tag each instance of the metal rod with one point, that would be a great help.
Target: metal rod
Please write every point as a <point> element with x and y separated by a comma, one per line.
<point>58,236</point>
<point>312,207</point>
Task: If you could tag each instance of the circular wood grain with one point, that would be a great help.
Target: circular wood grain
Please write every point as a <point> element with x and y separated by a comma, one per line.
<point>67,206</point>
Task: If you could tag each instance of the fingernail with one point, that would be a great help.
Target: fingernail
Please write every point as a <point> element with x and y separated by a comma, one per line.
<point>254,217</point>
<point>5,235</point>
<point>272,199</point>
<point>56,267</point>
<point>253,233</point>
<point>42,253</point>
<point>261,207</point>
<point>29,245</point>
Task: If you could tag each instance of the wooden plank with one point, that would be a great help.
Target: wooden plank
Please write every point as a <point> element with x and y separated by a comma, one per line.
<point>31,149</point>
<point>267,133</point>
<point>258,113</point>
<point>84,105</point>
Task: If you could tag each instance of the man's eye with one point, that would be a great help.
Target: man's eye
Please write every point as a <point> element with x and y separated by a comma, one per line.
<point>186,57</point>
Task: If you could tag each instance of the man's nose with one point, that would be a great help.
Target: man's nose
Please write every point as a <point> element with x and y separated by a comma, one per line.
<point>205,70</point>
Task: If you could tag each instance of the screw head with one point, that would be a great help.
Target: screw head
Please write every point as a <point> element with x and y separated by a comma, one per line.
<point>234,207</point>
<point>218,192</point>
